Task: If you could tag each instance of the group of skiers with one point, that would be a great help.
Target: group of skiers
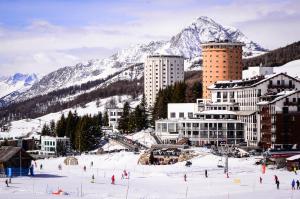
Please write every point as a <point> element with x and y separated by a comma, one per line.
<point>294,183</point>
<point>125,175</point>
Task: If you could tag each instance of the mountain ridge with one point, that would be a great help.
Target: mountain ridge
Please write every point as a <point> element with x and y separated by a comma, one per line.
<point>186,43</point>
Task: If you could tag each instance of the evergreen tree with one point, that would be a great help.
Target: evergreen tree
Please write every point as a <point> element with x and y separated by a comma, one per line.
<point>100,119</point>
<point>46,130</point>
<point>124,120</point>
<point>138,118</point>
<point>144,116</point>
<point>52,127</point>
<point>61,127</point>
<point>88,134</point>
<point>177,92</point>
<point>197,90</point>
<point>105,119</point>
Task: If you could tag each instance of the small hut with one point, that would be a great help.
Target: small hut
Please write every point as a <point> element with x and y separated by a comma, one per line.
<point>15,161</point>
<point>71,161</point>
<point>292,162</point>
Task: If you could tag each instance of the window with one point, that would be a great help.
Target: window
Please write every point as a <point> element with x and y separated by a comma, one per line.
<point>190,115</point>
<point>278,82</point>
<point>173,115</point>
<point>181,115</point>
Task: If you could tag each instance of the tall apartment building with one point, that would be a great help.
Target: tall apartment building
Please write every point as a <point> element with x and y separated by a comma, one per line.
<point>221,61</point>
<point>159,72</point>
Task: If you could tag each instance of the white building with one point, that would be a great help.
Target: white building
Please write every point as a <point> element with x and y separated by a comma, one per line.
<point>181,110</point>
<point>202,122</point>
<point>114,115</point>
<point>159,72</point>
<point>247,93</point>
<point>254,71</point>
<point>54,145</point>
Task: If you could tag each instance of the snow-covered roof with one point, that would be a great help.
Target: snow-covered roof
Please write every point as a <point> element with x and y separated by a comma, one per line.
<point>218,112</point>
<point>279,96</point>
<point>295,157</point>
<point>245,83</point>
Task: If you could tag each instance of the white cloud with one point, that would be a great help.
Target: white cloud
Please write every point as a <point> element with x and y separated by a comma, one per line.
<point>43,47</point>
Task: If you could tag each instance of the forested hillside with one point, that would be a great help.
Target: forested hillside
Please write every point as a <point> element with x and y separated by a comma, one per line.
<point>275,57</point>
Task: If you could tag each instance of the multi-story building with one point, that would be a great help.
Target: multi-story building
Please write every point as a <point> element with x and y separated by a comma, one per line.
<point>114,115</point>
<point>202,123</point>
<point>280,118</point>
<point>265,110</point>
<point>247,94</point>
<point>161,71</point>
<point>54,145</point>
<point>221,61</point>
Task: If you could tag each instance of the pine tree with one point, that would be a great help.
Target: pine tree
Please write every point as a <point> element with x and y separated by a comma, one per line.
<point>197,90</point>
<point>52,127</point>
<point>46,130</point>
<point>61,127</point>
<point>144,116</point>
<point>124,120</point>
<point>105,119</point>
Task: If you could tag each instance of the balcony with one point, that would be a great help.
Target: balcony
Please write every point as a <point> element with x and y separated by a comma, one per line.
<point>287,103</point>
<point>285,86</point>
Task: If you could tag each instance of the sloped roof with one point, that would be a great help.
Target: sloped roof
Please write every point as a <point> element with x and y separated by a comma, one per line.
<point>295,157</point>
<point>7,152</point>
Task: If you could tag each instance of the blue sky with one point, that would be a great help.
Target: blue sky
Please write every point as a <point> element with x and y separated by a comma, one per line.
<point>43,35</point>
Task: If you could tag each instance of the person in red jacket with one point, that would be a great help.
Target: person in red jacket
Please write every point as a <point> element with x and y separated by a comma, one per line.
<point>113,179</point>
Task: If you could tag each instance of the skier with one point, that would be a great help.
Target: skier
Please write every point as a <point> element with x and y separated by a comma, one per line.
<point>92,163</point>
<point>206,173</point>
<point>184,177</point>
<point>6,182</point>
<point>93,178</point>
<point>293,184</point>
<point>275,178</point>
<point>260,180</point>
<point>125,174</point>
<point>277,183</point>
<point>295,170</point>
<point>35,164</point>
<point>41,166</point>
<point>84,168</point>
<point>113,179</point>
<point>298,184</point>
<point>59,167</point>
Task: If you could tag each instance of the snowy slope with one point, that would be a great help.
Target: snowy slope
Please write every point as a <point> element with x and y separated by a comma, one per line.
<point>186,43</point>
<point>150,182</point>
<point>30,127</point>
<point>291,68</point>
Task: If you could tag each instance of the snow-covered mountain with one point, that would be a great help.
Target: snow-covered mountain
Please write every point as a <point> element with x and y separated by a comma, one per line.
<point>16,84</point>
<point>186,43</point>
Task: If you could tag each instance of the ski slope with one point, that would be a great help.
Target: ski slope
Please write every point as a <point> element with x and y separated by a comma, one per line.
<point>30,127</point>
<point>150,182</point>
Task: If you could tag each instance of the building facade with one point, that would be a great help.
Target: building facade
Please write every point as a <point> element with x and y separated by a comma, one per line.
<point>221,61</point>
<point>161,71</point>
<point>54,145</point>
<point>280,118</point>
<point>114,115</point>
<point>202,123</point>
<point>248,94</point>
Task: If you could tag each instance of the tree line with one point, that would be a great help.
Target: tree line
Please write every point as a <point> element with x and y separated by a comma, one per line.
<point>134,120</point>
<point>84,131</point>
<point>275,57</point>
<point>180,92</point>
